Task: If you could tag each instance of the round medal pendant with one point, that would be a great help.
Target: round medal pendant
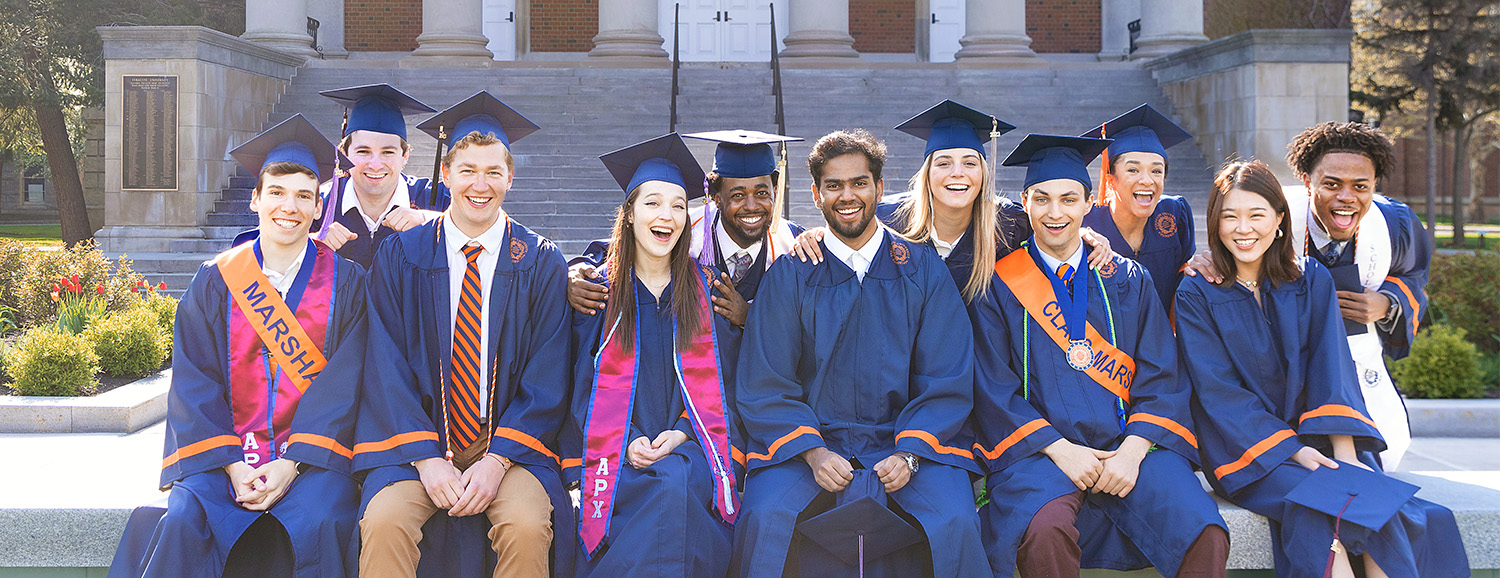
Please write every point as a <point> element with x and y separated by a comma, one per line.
<point>1080,355</point>
<point>1371,378</point>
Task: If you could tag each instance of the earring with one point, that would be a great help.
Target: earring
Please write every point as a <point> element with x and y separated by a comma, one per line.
<point>1279,233</point>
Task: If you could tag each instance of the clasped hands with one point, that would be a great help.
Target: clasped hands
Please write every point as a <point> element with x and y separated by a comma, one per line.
<point>1098,471</point>
<point>834,473</point>
<point>462,493</point>
<point>257,489</point>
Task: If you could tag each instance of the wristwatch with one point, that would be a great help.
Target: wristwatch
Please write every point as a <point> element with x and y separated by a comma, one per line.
<point>1391,311</point>
<point>911,461</point>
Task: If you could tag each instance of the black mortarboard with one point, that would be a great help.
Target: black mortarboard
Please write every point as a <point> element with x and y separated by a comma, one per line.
<point>481,113</point>
<point>1047,157</point>
<point>664,158</point>
<point>293,140</point>
<point>859,521</point>
<point>377,108</point>
<point>743,154</point>
<point>1141,130</point>
<point>950,125</point>
<point>1361,496</point>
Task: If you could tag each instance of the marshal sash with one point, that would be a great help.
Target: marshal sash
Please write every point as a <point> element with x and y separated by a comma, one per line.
<point>1111,368</point>
<point>611,406</point>
<point>270,316</point>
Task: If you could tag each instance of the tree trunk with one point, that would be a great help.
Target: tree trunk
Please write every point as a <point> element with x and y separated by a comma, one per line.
<point>1477,172</point>
<point>1460,177</point>
<point>67,185</point>
<point>1432,169</point>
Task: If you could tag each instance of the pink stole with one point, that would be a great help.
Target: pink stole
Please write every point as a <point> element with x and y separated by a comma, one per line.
<point>609,419</point>
<point>264,401</point>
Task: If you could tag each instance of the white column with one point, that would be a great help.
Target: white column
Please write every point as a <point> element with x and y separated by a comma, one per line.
<point>995,29</point>
<point>452,35</point>
<point>819,28</point>
<point>1168,26</point>
<point>1114,35</point>
<point>628,28</point>
<point>279,24</point>
<point>330,17</point>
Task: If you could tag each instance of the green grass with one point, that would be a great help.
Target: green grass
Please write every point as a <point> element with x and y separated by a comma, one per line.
<point>1471,240</point>
<point>33,234</point>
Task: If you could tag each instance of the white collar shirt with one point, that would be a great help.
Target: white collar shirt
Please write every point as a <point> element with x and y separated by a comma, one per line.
<point>490,242</point>
<point>857,259</point>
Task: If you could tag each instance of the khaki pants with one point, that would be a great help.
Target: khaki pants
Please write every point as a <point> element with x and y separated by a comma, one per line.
<point>521,535</point>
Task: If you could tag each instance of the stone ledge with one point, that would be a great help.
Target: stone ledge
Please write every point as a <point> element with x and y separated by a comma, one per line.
<point>1457,418</point>
<point>124,409</point>
<point>196,43</point>
<point>1252,47</point>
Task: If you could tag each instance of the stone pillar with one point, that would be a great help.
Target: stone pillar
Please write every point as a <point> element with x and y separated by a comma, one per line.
<point>330,17</point>
<point>279,24</point>
<point>628,28</point>
<point>452,36</point>
<point>819,28</point>
<point>1168,26</point>
<point>1114,35</point>
<point>994,30</point>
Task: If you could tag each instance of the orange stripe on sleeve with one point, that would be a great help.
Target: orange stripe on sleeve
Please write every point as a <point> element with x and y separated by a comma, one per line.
<point>572,462</point>
<point>771,451</point>
<point>394,441</point>
<point>324,442</point>
<point>1416,310</point>
<point>1255,451</point>
<point>932,440</point>
<point>522,438</point>
<point>1336,410</point>
<point>1011,440</point>
<point>737,455</point>
<point>196,448</point>
<point>1169,424</point>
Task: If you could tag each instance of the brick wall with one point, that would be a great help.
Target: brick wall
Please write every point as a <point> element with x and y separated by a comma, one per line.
<point>382,25</point>
<point>563,25</point>
<point>1063,25</point>
<point>882,26</point>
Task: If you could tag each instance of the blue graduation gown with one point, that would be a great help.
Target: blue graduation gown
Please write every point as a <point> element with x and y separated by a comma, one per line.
<point>747,287</point>
<point>1270,378</point>
<point>202,522</point>
<point>864,369</point>
<point>362,249</point>
<point>410,347</point>
<point>1165,248</point>
<point>663,522</point>
<point>1015,227</point>
<point>1158,520</point>
<point>1411,255</point>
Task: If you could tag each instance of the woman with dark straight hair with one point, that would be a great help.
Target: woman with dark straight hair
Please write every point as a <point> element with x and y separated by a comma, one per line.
<point>653,388</point>
<point>1282,427</point>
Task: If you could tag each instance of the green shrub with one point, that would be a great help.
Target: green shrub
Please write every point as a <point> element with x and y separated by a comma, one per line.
<point>163,308</point>
<point>128,343</point>
<point>13,258</point>
<point>42,270</point>
<point>1441,365</point>
<point>1464,291</point>
<point>46,361</point>
<point>1489,371</point>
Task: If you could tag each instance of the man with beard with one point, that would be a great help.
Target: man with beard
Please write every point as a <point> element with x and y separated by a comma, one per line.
<point>375,199</point>
<point>741,233</point>
<point>854,364</point>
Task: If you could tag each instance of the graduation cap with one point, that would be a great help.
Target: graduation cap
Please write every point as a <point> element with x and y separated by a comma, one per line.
<point>743,154</point>
<point>950,125</point>
<point>293,140</point>
<point>1049,156</point>
<point>1141,130</point>
<point>1352,493</point>
<point>481,113</point>
<point>860,527</point>
<point>377,108</point>
<point>665,158</point>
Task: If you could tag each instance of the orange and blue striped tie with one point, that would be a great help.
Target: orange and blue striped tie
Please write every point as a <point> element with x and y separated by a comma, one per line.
<point>463,388</point>
<point>1065,274</point>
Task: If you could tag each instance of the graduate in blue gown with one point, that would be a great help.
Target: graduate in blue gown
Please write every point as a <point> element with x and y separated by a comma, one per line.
<point>374,198</point>
<point>458,435</point>
<point>1153,229</point>
<point>852,363</point>
<point>1083,418</point>
<point>258,430</point>
<point>653,389</point>
<point>1276,396</point>
<point>740,232</point>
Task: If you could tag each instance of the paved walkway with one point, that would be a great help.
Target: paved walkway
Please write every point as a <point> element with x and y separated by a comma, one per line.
<point>120,471</point>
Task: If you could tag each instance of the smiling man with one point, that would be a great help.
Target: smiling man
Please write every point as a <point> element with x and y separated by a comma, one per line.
<point>853,364</point>
<point>375,199</point>
<point>470,335</point>
<point>1376,250</point>
<point>740,233</point>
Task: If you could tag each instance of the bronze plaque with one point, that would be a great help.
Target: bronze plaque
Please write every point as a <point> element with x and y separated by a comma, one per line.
<point>150,141</point>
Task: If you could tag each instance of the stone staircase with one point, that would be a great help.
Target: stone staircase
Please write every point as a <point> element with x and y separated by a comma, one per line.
<point>563,191</point>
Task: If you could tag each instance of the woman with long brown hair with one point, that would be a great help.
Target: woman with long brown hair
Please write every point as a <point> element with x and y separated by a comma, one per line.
<point>653,386</point>
<point>1282,427</point>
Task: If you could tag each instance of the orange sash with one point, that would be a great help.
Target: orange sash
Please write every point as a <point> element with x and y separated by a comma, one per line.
<point>1111,368</point>
<point>273,320</point>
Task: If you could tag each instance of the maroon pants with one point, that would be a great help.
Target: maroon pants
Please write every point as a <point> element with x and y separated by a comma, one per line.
<point>1049,549</point>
